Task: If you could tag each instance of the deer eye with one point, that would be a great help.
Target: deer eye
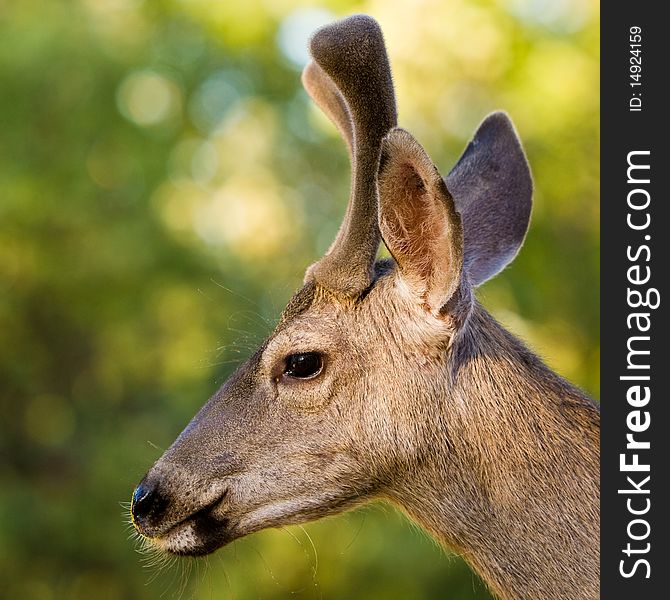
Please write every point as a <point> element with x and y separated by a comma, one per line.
<point>303,365</point>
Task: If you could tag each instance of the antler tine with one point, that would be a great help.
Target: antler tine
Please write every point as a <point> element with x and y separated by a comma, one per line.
<point>327,97</point>
<point>351,53</point>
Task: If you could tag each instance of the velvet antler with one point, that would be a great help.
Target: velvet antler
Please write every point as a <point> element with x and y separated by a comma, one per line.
<point>350,79</point>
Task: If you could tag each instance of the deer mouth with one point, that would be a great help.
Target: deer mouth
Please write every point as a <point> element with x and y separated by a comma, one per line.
<point>199,533</point>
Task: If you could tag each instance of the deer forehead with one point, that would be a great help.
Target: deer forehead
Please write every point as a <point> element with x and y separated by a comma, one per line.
<point>388,324</point>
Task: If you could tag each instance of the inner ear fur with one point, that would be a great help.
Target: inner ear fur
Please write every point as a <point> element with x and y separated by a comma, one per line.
<point>419,223</point>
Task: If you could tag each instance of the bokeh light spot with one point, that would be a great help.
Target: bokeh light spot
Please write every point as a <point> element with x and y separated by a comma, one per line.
<point>564,16</point>
<point>215,97</point>
<point>148,98</point>
<point>205,163</point>
<point>247,215</point>
<point>295,31</point>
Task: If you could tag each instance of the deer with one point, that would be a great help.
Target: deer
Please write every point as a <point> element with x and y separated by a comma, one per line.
<point>386,380</point>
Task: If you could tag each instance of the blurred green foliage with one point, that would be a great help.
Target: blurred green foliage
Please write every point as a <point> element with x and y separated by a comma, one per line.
<point>164,181</point>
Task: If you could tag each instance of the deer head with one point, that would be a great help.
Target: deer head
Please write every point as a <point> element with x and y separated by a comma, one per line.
<point>354,392</point>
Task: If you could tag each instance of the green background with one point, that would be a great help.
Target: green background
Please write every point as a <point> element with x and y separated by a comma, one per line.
<point>164,181</point>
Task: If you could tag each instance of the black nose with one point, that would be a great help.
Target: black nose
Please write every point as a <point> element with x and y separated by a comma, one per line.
<point>148,503</point>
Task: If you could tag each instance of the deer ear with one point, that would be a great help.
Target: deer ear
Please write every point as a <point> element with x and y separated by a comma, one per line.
<point>492,189</point>
<point>418,221</point>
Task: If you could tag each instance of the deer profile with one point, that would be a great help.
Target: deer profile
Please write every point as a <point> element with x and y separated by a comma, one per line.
<point>387,380</point>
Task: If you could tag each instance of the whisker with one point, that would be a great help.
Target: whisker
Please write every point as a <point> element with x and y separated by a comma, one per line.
<point>316,555</point>
<point>225,573</point>
<point>234,293</point>
<point>155,447</point>
<point>356,534</point>
<point>266,565</point>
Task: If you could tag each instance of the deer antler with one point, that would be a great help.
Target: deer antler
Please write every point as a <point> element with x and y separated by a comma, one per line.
<point>326,95</point>
<point>350,79</point>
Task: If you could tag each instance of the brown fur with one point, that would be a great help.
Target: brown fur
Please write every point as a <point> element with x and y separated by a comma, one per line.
<point>422,400</point>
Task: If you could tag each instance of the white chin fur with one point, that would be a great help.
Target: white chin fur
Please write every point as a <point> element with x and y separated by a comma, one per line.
<point>178,540</point>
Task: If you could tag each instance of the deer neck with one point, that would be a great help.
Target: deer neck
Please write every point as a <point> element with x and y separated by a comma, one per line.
<point>511,481</point>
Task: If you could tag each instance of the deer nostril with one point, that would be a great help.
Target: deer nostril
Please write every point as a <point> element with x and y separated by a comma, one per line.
<point>147,502</point>
<point>140,497</point>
